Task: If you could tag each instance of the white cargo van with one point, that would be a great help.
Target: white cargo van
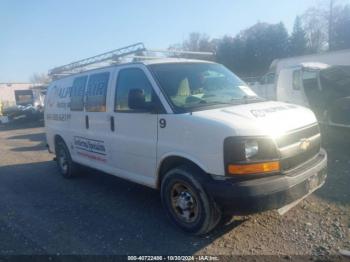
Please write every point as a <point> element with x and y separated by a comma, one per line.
<point>192,130</point>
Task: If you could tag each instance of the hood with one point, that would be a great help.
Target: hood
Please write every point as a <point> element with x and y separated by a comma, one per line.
<point>264,118</point>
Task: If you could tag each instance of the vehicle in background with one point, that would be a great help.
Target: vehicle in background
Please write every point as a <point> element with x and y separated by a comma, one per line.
<point>333,58</point>
<point>189,128</point>
<point>21,100</point>
<point>323,88</point>
<point>320,82</point>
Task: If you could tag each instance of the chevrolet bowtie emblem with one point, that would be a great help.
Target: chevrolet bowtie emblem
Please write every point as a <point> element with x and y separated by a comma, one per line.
<point>304,144</point>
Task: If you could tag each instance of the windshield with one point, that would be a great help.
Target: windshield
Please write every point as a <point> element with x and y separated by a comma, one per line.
<point>191,86</point>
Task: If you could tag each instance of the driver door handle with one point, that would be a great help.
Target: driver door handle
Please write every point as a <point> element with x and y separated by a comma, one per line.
<point>87,122</point>
<point>112,123</point>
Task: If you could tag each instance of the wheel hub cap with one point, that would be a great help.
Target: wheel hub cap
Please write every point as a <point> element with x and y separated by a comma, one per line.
<point>184,203</point>
<point>63,161</point>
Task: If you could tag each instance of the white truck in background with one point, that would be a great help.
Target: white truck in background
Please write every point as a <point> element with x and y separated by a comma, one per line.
<point>320,82</point>
<point>19,100</point>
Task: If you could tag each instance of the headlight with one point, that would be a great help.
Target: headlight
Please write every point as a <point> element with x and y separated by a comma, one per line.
<point>251,148</point>
<point>258,154</point>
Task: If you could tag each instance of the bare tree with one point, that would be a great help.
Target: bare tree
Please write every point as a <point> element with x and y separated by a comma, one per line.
<point>40,79</point>
<point>197,42</point>
<point>315,23</point>
<point>326,26</point>
<point>340,34</point>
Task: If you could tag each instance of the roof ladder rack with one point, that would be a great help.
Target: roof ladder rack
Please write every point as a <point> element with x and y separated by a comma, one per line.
<point>135,52</point>
<point>112,56</point>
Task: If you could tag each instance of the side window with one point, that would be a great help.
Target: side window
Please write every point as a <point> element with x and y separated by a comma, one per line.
<point>77,94</point>
<point>96,92</point>
<point>133,91</point>
<point>309,79</point>
<point>297,79</point>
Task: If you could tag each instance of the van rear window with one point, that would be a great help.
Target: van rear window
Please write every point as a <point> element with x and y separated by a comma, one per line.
<point>77,93</point>
<point>96,92</point>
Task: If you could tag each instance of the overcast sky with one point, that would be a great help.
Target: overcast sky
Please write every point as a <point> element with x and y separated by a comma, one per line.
<point>37,35</point>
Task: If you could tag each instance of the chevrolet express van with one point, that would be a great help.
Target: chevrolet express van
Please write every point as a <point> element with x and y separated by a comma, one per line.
<point>191,129</point>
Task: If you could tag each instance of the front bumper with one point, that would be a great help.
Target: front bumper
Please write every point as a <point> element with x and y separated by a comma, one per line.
<point>271,192</point>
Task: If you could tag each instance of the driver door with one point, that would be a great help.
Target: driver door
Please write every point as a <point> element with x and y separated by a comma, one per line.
<point>133,132</point>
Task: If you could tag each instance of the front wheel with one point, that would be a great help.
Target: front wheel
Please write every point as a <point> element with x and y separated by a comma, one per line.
<point>186,203</point>
<point>65,164</point>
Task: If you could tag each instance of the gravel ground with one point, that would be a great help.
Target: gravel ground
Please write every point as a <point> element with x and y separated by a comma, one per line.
<point>95,213</point>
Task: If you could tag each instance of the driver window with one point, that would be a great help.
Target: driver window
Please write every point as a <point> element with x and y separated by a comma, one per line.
<point>132,81</point>
<point>189,88</point>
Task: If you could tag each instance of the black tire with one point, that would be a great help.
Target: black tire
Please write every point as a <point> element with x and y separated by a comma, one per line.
<point>66,166</point>
<point>192,209</point>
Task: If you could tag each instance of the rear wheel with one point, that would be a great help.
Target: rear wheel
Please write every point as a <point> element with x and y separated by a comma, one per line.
<point>186,203</point>
<point>64,161</point>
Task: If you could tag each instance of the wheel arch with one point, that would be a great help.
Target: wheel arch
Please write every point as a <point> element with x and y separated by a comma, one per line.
<point>56,139</point>
<point>175,160</point>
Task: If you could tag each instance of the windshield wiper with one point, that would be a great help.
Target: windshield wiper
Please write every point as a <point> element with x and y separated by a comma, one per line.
<point>253,99</point>
<point>233,101</point>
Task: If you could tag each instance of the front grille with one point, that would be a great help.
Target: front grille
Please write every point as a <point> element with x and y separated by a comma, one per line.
<point>293,156</point>
<point>296,136</point>
<point>296,160</point>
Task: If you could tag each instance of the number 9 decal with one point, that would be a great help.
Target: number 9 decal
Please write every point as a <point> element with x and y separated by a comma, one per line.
<point>162,123</point>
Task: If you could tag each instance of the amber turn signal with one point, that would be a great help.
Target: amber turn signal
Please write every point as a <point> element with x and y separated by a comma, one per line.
<point>255,168</point>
